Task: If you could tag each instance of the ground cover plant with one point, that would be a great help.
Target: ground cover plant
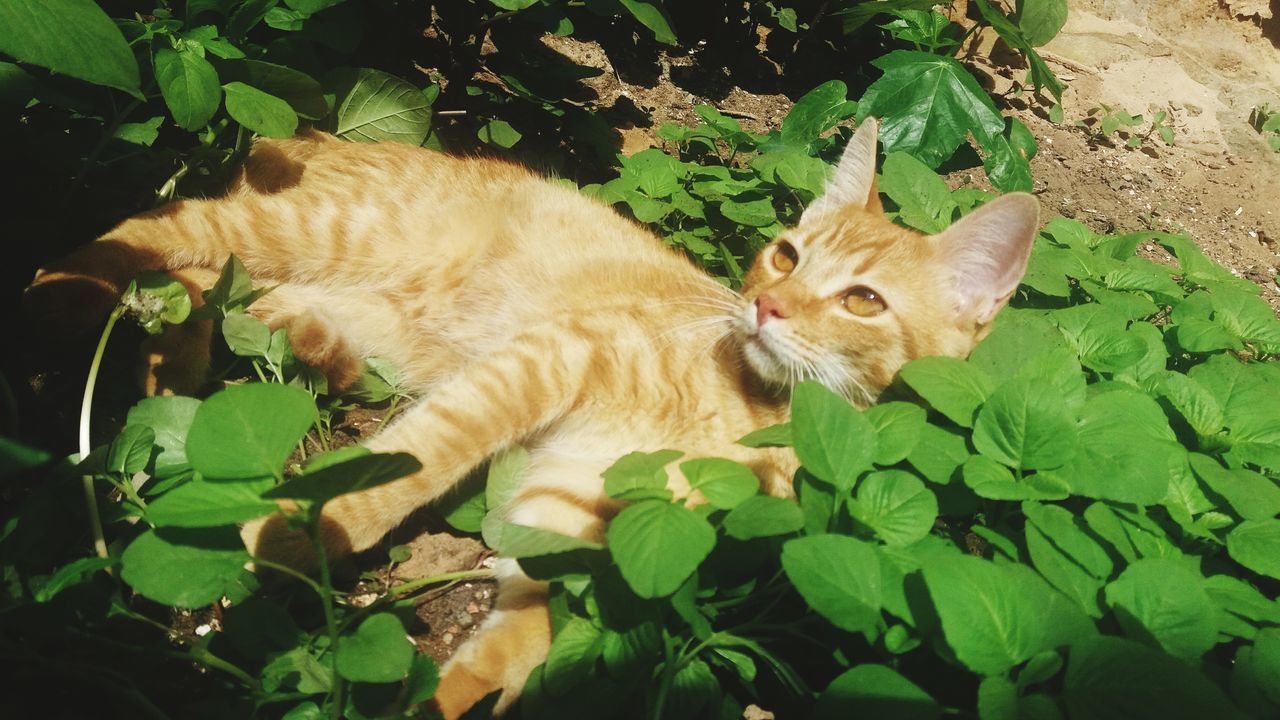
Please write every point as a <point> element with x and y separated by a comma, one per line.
<point>1078,521</point>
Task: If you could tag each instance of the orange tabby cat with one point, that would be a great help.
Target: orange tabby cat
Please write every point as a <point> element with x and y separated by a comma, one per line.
<point>524,312</point>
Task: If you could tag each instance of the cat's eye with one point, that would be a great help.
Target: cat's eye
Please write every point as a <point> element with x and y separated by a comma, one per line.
<point>785,257</point>
<point>863,301</point>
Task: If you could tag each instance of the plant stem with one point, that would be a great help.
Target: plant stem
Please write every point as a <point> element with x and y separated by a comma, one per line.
<point>412,585</point>
<point>668,675</point>
<point>107,134</point>
<point>204,657</point>
<point>325,589</point>
<point>86,405</point>
<point>290,572</point>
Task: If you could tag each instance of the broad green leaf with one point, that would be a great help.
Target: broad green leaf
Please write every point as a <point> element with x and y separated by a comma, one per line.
<point>833,439</point>
<point>928,104</point>
<point>1099,336</point>
<point>763,516</point>
<point>658,545</point>
<point>896,505</point>
<point>72,574</point>
<point>170,418</point>
<point>1198,407</point>
<point>816,112</point>
<point>298,669</point>
<point>923,198</point>
<point>1247,317</point>
<point>639,475</point>
<point>1025,428</point>
<point>506,473</point>
<point>378,651</point>
<point>651,14</point>
<point>1248,396</point>
<point>143,133</point>
<point>374,106</point>
<point>939,453</point>
<point>189,85</point>
<point>839,577</point>
<point>1127,451</point>
<point>131,450</point>
<point>874,691</point>
<point>898,427</point>
<point>724,483</point>
<point>1016,341</point>
<point>361,472</point>
<point>186,568</point>
<point>997,699</point>
<point>1266,663</point>
<point>499,133</point>
<point>989,479</point>
<point>1040,20</point>
<point>752,213</point>
<point>247,336</point>
<point>1160,600</point>
<point>303,93</point>
<point>1038,73</point>
<point>522,541</point>
<point>205,503</point>
<point>70,37</point>
<point>1066,555</point>
<point>692,689</point>
<point>1111,677</point>
<point>1255,544</point>
<point>632,650</point>
<point>997,616</point>
<point>772,436</point>
<point>572,656</point>
<point>1007,157</point>
<point>248,431</point>
<point>261,112</point>
<point>1240,604</point>
<point>1252,496</point>
<point>1131,533</point>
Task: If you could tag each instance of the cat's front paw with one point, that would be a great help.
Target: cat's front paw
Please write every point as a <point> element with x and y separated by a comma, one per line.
<point>273,539</point>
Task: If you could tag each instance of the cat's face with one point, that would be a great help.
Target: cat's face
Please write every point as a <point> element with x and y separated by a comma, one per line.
<point>846,297</point>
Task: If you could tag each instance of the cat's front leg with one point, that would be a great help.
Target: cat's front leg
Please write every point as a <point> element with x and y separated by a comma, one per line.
<point>499,400</point>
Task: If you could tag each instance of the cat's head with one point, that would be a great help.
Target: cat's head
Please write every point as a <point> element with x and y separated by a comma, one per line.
<point>847,297</point>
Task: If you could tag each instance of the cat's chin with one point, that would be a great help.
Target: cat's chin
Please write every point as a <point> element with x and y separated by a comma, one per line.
<point>765,362</point>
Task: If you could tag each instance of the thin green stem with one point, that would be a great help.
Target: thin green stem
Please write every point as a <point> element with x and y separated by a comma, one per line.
<point>257,368</point>
<point>208,659</point>
<point>668,675</point>
<point>391,410</point>
<point>86,406</point>
<point>279,567</point>
<point>325,589</point>
<point>107,133</point>
<point>413,585</point>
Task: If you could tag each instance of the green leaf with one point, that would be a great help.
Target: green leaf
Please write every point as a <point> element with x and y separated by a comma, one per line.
<point>763,516</point>
<point>1040,20</point>
<point>297,669</point>
<point>896,505</point>
<point>989,479</point>
<point>724,483</point>
<point>773,436</point>
<point>1111,677</point>
<point>262,113</point>
<point>639,475</point>
<point>248,431</point>
<point>499,133</point>
<point>939,453</point>
<point>1255,544</point>
<point>752,213</point>
<point>506,474</point>
<point>651,15</point>
<point>833,439</point>
<point>189,85</point>
<point>364,471</point>
<point>997,699</point>
<point>17,87</point>
<point>1067,556</point>
<point>1192,400</point>
<point>143,133</point>
<point>923,198</point>
<point>657,545</point>
<point>1248,397</point>
<point>1025,428</point>
<point>1126,453</point>
<point>303,93</point>
<point>950,385</point>
<point>170,418</point>
<point>898,426</point>
<point>839,577</point>
<point>572,656</point>
<point>874,691</point>
<point>816,112</point>
<point>185,568</point>
<point>373,106</point>
<point>997,616</point>
<point>204,503</point>
<point>247,336</point>
<point>72,574</point>
<point>928,104</point>
<point>1252,496</point>
<point>523,541</point>
<point>1099,337</point>
<point>378,651</point>
<point>1160,600</point>
<point>131,450</point>
<point>70,37</point>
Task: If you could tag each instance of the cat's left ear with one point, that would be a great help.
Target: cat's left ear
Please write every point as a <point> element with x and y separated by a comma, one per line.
<point>854,180</point>
<point>986,253</point>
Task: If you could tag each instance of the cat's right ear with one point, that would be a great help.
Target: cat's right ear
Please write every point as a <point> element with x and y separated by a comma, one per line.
<point>854,180</point>
<point>986,254</point>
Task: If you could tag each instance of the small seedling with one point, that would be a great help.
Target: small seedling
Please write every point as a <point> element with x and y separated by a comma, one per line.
<point>1267,122</point>
<point>1104,121</point>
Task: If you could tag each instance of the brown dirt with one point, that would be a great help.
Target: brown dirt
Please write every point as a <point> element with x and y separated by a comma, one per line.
<point>1206,64</point>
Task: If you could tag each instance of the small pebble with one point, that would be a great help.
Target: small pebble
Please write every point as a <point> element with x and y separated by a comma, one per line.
<point>447,638</point>
<point>202,630</point>
<point>463,619</point>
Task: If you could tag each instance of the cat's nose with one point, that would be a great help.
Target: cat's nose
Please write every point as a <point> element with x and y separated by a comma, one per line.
<point>767,307</point>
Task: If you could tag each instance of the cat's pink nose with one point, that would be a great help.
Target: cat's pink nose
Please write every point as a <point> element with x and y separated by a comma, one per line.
<point>767,307</point>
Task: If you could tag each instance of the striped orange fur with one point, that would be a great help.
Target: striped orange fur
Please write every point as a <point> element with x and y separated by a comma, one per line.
<point>523,312</point>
